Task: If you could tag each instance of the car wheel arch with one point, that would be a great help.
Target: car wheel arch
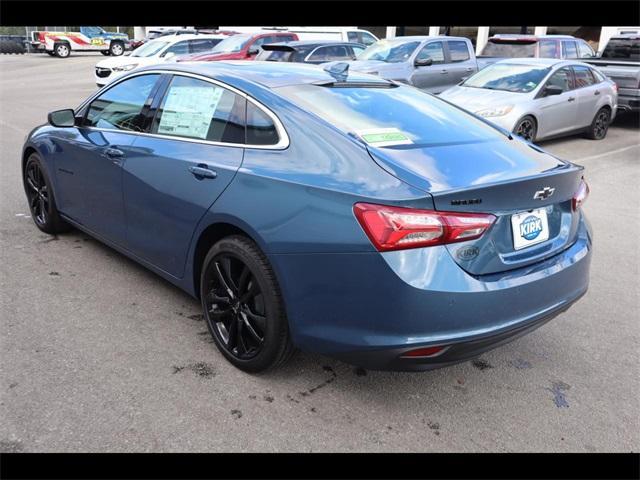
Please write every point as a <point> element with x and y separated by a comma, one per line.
<point>209,236</point>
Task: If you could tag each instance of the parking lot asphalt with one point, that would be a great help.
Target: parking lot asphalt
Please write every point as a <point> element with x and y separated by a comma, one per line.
<point>99,354</point>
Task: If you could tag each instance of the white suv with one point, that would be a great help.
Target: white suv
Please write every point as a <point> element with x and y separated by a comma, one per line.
<point>160,50</point>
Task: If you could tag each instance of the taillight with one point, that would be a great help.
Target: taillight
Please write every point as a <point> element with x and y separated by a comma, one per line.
<point>397,228</point>
<point>425,352</point>
<point>614,87</point>
<point>580,196</point>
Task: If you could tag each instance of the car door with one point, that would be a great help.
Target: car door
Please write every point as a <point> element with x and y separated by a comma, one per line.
<point>90,177</point>
<point>460,63</point>
<point>192,152</point>
<point>557,113</point>
<point>588,94</point>
<point>432,78</point>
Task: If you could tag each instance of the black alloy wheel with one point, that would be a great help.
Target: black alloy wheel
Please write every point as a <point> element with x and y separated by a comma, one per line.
<point>526,128</point>
<point>243,306</point>
<point>600,125</point>
<point>42,204</point>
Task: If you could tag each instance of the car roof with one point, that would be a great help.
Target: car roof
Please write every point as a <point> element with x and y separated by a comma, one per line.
<point>421,38</point>
<point>312,43</point>
<point>515,36</point>
<point>542,62</point>
<point>245,75</point>
<point>187,36</point>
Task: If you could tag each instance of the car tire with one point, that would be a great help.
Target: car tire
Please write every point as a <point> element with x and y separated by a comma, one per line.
<point>600,124</point>
<point>106,53</point>
<point>42,204</point>
<point>62,50</point>
<point>116,49</point>
<point>243,306</point>
<point>526,128</point>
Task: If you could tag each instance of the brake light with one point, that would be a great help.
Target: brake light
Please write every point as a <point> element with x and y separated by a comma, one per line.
<point>425,352</point>
<point>580,196</point>
<point>397,228</point>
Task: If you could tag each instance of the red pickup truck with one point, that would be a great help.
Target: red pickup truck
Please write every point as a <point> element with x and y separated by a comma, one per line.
<point>244,46</point>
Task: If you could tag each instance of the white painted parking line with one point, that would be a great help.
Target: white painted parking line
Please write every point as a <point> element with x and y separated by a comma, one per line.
<point>612,152</point>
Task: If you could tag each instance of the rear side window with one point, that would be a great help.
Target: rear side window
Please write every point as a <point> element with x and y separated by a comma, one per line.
<point>584,50</point>
<point>120,107</point>
<point>458,51</point>
<point>501,48</point>
<point>361,37</point>
<point>569,49</point>
<point>203,44</point>
<point>549,49</point>
<point>260,127</point>
<point>193,108</point>
<point>583,76</point>
<point>563,79</point>
<point>433,51</point>
<point>598,76</point>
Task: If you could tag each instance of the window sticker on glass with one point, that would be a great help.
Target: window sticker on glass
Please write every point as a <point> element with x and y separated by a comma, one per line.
<point>188,111</point>
<point>384,137</point>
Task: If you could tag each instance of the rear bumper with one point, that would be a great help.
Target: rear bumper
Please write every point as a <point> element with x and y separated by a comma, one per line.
<point>628,100</point>
<point>368,309</point>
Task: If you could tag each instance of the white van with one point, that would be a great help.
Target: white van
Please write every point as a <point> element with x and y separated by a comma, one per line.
<point>339,34</point>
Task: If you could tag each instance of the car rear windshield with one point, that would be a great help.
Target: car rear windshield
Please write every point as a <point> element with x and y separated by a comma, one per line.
<point>510,49</point>
<point>508,77</point>
<point>404,111</point>
<point>391,52</point>
<point>625,48</point>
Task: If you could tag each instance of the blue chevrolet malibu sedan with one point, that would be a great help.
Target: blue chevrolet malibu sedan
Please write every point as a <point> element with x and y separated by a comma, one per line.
<point>320,210</point>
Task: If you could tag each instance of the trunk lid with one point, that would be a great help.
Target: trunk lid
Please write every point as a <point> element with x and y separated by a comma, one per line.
<point>498,177</point>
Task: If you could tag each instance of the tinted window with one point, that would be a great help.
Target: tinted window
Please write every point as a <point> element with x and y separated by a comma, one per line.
<point>329,53</point>
<point>275,56</point>
<point>180,48</point>
<point>598,76</point>
<point>194,108</point>
<point>509,77</point>
<point>549,49</point>
<point>458,51</point>
<point>627,48</point>
<point>390,51</point>
<point>583,76</point>
<point>495,48</point>
<point>353,37</point>
<point>366,38</point>
<point>433,51</point>
<point>569,49</point>
<point>260,128</point>
<point>282,38</point>
<point>584,50</point>
<point>120,107</point>
<point>422,118</point>
<point>203,44</point>
<point>563,79</point>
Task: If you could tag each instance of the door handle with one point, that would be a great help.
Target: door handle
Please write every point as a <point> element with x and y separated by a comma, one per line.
<point>597,92</point>
<point>469,69</point>
<point>115,155</point>
<point>571,99</point>
<point>444,71</point>
<point>201,172</point>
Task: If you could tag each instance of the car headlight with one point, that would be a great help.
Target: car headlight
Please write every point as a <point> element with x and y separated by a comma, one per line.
<point>125,68</point>
<point>495,111</point>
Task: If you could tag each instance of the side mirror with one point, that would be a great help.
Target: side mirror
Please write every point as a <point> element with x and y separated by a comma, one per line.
<point>62,118</point>
<point>550,90</point>
<point>424,62</point>
<point>253,51</point>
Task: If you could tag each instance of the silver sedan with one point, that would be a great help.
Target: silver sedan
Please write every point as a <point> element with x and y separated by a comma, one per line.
<point>539,98</point>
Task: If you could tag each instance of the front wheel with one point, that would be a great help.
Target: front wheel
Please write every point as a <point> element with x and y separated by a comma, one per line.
<point>600,125</point>
<point>116,49</point>
<point>526,128</point>
<point>42,204</point>
<point>243,306</point>
<point>62,50</point>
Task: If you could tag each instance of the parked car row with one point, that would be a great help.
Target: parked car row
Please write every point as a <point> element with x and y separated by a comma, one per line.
<point>533,86</point>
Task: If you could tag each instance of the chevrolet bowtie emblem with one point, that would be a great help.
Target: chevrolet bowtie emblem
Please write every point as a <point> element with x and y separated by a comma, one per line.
<point>543,194</point>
